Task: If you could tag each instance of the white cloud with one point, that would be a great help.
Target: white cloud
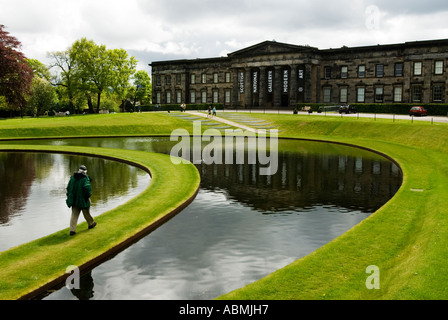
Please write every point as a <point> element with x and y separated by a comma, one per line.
<point>158,30</point>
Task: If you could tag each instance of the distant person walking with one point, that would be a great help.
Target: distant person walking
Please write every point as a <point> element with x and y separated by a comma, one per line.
<point>79,191</point>
<point>214,111</point>
<point>209,112</point>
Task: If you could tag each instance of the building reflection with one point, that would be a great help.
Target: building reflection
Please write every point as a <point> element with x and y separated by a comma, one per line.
<point>301,181</point>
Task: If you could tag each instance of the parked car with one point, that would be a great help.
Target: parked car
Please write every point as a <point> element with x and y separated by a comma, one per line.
<point>347,109</point>
<point>418,111</point>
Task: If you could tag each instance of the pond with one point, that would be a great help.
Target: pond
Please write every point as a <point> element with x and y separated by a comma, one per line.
<point>33,192</point>
<point>242,225</point>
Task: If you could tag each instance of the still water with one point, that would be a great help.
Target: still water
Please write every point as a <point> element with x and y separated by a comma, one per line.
<point>242,226</point>
<point>33,192</point>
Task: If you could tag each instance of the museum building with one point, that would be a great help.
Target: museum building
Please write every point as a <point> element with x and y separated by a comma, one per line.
<point>273,74</point>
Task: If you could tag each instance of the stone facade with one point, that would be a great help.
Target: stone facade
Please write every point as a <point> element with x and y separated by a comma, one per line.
<point>272,74</point>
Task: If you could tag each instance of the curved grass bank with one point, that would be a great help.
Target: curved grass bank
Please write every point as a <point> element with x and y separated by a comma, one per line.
<point>407,239</point>
<point>120,124</point>
<point>28,269</point>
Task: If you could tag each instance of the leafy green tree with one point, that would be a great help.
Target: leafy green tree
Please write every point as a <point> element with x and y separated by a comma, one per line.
<point>143,87</point>
<point>43,97</point>
<point>101,70</point>
<point>92,66</point>
<point>65,77</point>
<point>39,69</point>
<point>123,68</point>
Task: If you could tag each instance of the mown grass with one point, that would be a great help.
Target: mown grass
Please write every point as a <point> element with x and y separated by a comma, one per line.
<point>129,124</point>
<point>406,239</point>
<point>27,268</point>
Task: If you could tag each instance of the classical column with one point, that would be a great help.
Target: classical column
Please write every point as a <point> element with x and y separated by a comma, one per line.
<point>248,89</point>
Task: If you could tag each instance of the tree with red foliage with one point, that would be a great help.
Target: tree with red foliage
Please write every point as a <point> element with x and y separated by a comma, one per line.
<point>15,73</point>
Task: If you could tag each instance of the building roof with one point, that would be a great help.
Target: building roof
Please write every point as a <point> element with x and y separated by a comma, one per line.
<point>274,47</point>
<point>270,47</point>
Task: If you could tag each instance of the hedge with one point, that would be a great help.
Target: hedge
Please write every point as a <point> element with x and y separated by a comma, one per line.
<point>390,108</point>
<point>176,107</point>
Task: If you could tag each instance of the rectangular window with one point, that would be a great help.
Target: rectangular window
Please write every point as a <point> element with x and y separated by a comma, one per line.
<point>158,80</point>
<point>399,69</point>
<point>360,97</point>
<point>228,79</point>
<point>158,98</point>
<point>228,95</point>
<point>327,95</point>
<point>437,93</point>
<point>362,71</point>
<point>379,70</point>
<point>438,67</point>
<point>327,72</point>
<point>192,79</point>
<point>204,78</point>
<point>416,93</point>
<point>379,94</point>
<point>192,96</point>
<point>168,97</point>
<point>417,68</point>
<point>204,97</point>
<point>398,94</point>
<point>215,77</point>
<point>178,79</point>
<point>215,96</point>
<point>343,97</point>
<point>168,80</point>
<point>178,96</point>
<point>344,72</point>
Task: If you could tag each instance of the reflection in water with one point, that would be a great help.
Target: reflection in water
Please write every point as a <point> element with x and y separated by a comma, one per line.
<point>85,290</point>
<point>32,192</point>
<point>303,181</point>
<point>243,226</point>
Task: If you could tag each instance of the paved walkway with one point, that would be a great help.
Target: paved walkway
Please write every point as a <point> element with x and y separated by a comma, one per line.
<point>442,119</point>
<point>226,121</point>
<point>245,122</point>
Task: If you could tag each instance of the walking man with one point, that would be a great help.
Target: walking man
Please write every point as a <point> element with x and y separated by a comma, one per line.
<point>79,191</point>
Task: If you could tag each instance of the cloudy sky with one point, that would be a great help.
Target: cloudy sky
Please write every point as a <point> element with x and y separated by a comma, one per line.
<point>154,30</point>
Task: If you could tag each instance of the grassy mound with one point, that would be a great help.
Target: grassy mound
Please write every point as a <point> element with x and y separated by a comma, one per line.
<point>34,266</point>
<point>407,239</point>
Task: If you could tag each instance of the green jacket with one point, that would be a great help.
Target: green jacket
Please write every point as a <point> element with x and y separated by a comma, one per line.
<point>79,191</point>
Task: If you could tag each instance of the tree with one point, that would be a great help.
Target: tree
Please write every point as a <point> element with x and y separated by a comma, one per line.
<point>143,87</point>
<point>101,69</point>
<point>15,74</point>
<point>65,78</point>
<point>43,97</point>
<point>39,69</point>
<point>122,70</point>
<point>92,66</point>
